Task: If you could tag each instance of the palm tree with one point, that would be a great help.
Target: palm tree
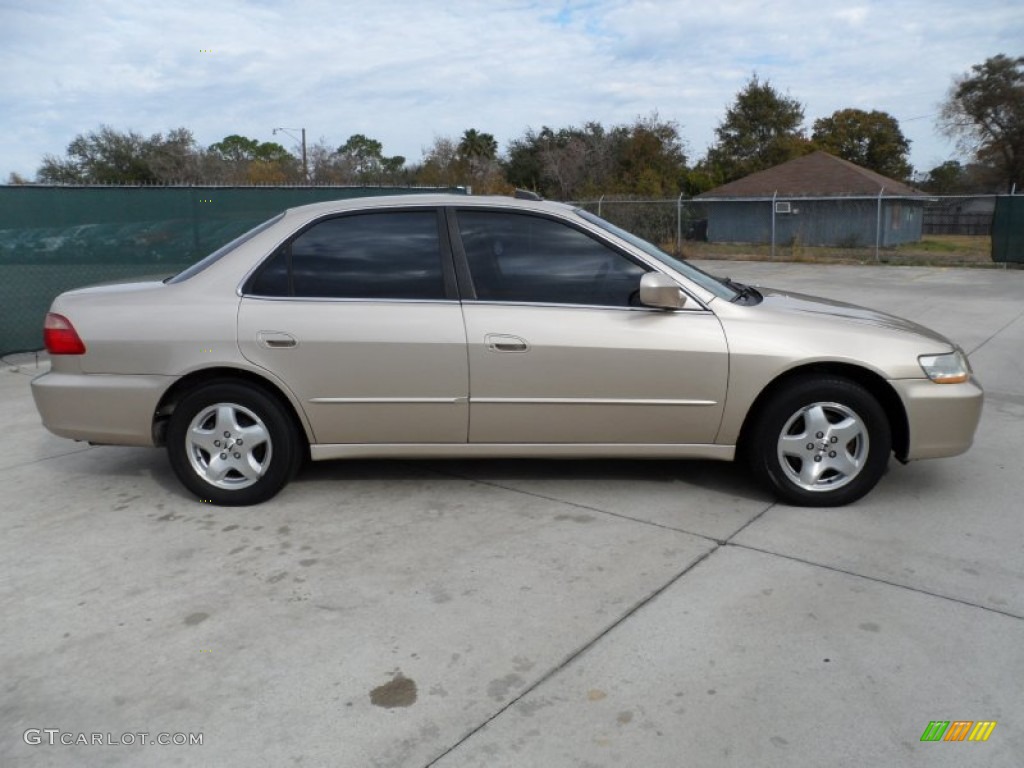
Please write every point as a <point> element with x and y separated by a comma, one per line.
<point>478,145</point>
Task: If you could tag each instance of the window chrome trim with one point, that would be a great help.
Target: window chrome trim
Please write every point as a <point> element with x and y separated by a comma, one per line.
<point>340,300</point>
<point>701,309</point>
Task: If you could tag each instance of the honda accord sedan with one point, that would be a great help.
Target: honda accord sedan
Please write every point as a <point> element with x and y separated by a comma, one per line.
<point>450,326</point>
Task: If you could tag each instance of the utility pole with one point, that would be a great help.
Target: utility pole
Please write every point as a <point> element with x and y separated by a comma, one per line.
<point>305,166</point>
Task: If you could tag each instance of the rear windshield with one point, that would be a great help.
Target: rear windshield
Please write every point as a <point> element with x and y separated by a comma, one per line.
<point>223,251</point>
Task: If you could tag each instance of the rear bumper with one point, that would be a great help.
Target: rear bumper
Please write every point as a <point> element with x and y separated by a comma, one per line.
<point>99,408</point>
<point>942,417</point>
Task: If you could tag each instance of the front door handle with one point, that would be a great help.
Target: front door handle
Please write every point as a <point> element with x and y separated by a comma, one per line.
<point>500,342</point>
<point>276,339</point>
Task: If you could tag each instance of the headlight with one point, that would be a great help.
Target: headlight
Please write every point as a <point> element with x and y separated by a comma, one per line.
<point>946,369</point>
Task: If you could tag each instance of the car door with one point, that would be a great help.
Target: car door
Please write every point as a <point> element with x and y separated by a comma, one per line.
<point>560,351</point>
<point>357,314</point>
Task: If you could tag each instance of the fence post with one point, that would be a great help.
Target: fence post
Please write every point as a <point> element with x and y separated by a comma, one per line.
<point>679,224</point>
<point>191,192</point>
<point>774,195</point>
<point>878,225</point>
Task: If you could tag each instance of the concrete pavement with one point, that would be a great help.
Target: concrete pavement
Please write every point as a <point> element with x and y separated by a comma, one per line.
<point>504,613</point>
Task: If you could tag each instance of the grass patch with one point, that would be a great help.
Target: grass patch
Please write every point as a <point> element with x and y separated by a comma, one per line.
<point>931,251</point>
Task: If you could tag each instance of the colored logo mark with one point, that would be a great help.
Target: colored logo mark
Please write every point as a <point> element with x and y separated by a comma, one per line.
<point>206,50</point>
<point>958,730</point>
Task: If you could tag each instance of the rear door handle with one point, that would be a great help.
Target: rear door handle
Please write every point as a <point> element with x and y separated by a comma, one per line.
<point>276,339</point>
<point>500,342</point>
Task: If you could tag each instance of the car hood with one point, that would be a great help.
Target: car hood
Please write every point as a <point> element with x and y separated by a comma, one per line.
<point>828,310</point>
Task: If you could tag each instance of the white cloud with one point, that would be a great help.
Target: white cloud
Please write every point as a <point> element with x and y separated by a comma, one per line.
<point>405,71</point>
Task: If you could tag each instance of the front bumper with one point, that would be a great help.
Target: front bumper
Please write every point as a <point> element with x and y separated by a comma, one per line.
<point>942,417</point>
<point>100,408</point>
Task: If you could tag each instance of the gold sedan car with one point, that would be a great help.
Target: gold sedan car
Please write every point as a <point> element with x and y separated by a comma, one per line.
<point>443,326</point>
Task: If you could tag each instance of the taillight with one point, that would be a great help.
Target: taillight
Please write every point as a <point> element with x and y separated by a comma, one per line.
<point>60,336</point>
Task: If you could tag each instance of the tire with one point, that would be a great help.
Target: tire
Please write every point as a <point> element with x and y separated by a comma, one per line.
<point>820,442</point>
<point>233,444</point>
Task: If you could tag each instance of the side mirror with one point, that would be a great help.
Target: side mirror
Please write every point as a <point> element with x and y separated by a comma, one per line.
<point>658,290</point>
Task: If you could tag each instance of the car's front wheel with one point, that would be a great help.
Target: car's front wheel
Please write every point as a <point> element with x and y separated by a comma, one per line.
<point>821,442</point>
<point>232,444</point>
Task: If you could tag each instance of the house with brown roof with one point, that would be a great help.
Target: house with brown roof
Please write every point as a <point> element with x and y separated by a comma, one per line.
<point>817,199</point>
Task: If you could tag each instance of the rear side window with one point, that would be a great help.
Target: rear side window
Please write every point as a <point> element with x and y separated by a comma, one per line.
<point>391,255</point>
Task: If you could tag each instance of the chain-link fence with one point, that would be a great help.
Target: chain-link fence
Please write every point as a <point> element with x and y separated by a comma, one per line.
<point>919,230</point>
<point>53,239</point>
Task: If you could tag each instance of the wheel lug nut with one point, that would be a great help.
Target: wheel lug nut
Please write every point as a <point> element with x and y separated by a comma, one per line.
<point>217,443</point>
<point>834,440</point>
<point>228,434</point>
<point>238,442</point>
<point>810,446</point>
<point>821,435</point>
<point>817,458</point>
<point>223,455</point>
<point>238,455</point>
<point>831,454</point>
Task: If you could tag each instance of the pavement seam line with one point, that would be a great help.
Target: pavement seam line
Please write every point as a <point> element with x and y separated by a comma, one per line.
<point>986,341</point>
<point>578,653</point>
<point>46,458</point>
<point>577,505</point>
<point>749,522</point>
<point>877,580</point>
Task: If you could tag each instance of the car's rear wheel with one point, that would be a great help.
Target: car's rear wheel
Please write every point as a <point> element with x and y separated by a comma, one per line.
<point>232,444</point>
<point>821,442</point>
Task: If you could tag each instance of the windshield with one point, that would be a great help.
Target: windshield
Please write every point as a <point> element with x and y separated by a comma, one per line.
<point>701,278</point>
<point>224,250</point>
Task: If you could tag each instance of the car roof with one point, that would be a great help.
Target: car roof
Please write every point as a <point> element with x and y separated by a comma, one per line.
<point>391,201</point>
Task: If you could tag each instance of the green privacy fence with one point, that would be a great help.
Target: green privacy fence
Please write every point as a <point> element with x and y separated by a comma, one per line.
<point>1008,229</point>
<point>53,239</point>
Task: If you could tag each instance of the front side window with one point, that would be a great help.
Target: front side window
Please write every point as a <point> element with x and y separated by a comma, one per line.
<point>525,258</point>
<point>392,255</point>
<point>703,279</point>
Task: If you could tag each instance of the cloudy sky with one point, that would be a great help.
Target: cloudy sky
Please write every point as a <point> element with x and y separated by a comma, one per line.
<point>405,71</point>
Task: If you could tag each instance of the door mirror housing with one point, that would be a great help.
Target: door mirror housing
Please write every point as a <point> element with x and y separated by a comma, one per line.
<point>658,290</point>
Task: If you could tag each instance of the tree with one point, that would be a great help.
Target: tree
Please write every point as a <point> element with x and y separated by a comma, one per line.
<point>242,160</point>
<point>105,156</point>
<point>646,158</point>
<point>872,140</point>
<point>442,165</point>
<point>474,144</point>
<point>478,154</point>
<point>761,129</point>
<point>177,158</point>
<point>984,112</point>
<point>944,179</point>
<point>952,178</point>
<point>362,160</point>
<point>108,156</point>
<point>566,164</point>
<point>650,157</point>
<point>522,164</point>
<point>236,149</point>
